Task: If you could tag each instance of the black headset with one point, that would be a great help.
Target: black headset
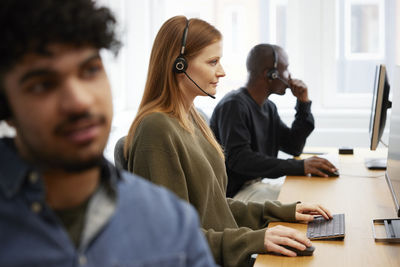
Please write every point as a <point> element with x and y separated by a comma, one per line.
<point>4,109</point>
<point>180,64</point>
<point>273,73</point>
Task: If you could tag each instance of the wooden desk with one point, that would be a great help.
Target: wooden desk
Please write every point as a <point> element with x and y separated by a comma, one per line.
<point>362,195</point>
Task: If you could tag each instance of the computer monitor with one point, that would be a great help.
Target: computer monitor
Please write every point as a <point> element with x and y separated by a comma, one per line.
<point>379,107</point>
<point>393,159</point>
<point>392,174</point>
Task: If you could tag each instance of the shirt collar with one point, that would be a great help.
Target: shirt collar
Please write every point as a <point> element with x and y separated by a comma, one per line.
<point>14,170</point>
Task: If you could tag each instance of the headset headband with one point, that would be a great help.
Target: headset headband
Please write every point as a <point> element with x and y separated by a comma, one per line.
<point>180,64</point>
<point>275,57</point>
<point>273,73</point>
<point>184,38</point>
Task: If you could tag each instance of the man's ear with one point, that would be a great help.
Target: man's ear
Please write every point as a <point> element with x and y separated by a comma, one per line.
<point>265,74</point>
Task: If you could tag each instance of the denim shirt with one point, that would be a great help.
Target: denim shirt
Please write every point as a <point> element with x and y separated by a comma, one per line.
<point>129,222</point>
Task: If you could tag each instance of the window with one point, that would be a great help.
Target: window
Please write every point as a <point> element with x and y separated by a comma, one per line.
<point>361,43</point>
<point>278,22</point>
<point>333,46</point>
<point>365,30</point>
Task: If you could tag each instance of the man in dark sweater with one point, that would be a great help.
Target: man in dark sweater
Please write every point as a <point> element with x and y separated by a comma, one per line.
<point>247,124</point>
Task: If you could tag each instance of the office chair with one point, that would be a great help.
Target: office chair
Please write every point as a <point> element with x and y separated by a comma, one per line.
<point>119,159</point>
<point>253,258</point>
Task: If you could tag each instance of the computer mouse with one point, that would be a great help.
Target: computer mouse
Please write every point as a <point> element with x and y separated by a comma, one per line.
<point>330,174</point>
<point>307,252</point>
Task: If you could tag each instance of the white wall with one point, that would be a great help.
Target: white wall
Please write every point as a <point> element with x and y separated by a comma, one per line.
<point>341,120</point>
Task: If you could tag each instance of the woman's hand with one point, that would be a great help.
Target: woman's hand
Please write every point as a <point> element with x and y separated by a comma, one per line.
<point>305,212</point>
<point>282,235</point>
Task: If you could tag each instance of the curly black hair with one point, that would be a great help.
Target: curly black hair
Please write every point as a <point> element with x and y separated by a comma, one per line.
<point>32,25</point>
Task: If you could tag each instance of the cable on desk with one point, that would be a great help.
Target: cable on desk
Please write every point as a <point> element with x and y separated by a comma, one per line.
<point>383,143</point>
<point>363,176</point>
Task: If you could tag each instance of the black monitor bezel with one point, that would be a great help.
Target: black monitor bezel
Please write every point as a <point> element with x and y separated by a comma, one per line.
<point>380,104</point>
<point>394,196</point>
<point>393,154</point>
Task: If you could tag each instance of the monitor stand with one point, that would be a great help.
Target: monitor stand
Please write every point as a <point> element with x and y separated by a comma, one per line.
<point>375,163</point>
<point>392,228</point>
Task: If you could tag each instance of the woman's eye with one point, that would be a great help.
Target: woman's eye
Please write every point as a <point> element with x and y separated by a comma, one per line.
<point>214,62</point>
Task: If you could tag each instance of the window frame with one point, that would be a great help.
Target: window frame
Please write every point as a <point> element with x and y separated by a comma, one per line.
<point>349,55</point>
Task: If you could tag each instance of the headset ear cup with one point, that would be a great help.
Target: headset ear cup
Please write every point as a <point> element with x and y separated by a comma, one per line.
<point>273,74</point>
<point>180,65</point>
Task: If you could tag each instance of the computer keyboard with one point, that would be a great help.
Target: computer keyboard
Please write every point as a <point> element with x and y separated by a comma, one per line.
<point>320,228</point>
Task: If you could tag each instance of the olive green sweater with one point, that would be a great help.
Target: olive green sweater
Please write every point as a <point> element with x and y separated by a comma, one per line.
<point>166,154</point>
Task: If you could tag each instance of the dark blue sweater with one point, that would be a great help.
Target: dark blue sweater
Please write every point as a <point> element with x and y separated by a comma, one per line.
<point>252,136</point>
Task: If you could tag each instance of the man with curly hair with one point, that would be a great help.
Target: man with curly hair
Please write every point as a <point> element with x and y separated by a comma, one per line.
<point>61,202</point>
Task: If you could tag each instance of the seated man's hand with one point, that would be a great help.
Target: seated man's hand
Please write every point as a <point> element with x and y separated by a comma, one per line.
<point>315,165</point>
<point>281,235</point>
<point>299,89</point>
<point>305,212</point>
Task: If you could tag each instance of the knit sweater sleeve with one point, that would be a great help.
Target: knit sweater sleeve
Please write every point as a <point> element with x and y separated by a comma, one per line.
<point>257,215</point>
<point>292,140</point>
<point>233,246</point>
